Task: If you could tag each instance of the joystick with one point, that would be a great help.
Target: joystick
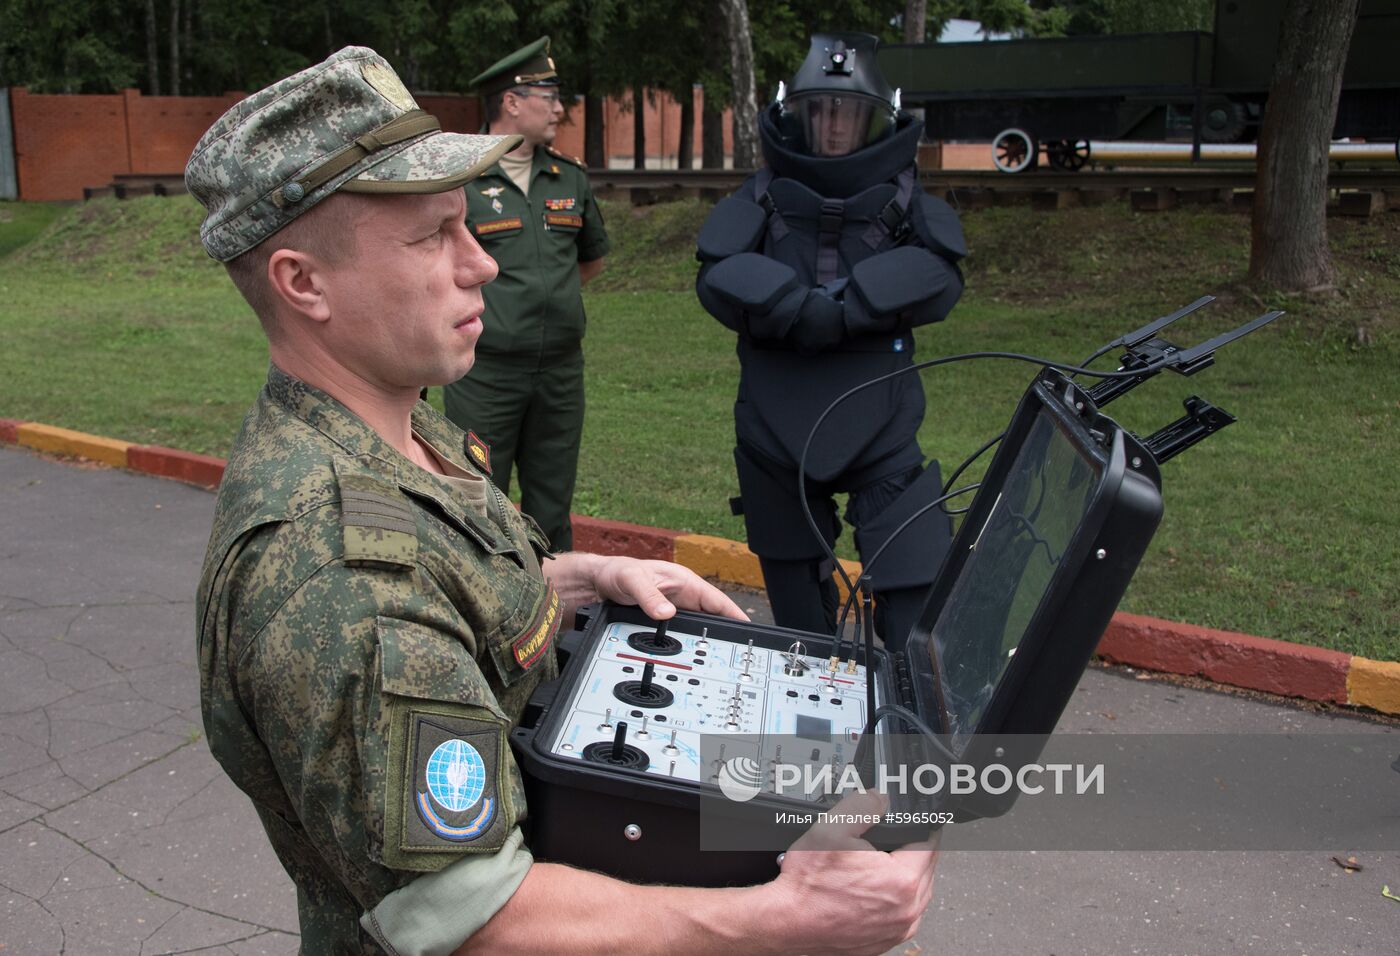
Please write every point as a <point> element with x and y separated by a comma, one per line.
<point>645,692</point>
<point>617,752</point>
<point>655,642</point>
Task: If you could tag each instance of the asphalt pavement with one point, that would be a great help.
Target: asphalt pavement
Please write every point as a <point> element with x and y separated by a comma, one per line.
<point>120,834</point>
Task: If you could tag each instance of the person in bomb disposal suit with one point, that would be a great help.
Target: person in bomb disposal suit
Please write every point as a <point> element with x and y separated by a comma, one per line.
<point>823,263</point>
<point>536,216</point>
<point>373,614</point>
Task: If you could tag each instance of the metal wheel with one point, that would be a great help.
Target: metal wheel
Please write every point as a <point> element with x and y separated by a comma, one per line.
<point>1225,121</point>
<point>1014,151</point>
<point>1069,155</point>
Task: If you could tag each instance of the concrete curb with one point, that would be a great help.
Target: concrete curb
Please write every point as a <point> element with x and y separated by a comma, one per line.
<point>1239,660</point>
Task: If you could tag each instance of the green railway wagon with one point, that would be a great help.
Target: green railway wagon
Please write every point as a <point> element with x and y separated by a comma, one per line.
<point>1051,96</point>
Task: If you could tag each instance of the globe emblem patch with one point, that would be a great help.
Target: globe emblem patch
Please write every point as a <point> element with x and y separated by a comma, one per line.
<point>456,775</point>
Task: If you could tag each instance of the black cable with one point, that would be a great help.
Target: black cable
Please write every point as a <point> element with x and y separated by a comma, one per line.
<point>964,466</point>
<point>916,367</point>
<point>868,613</point>
<point>967,462</point>
<point>865,568</point>
<point>917,722</point>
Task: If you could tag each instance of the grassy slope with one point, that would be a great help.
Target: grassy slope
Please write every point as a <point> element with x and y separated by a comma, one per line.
<point>115,323</point>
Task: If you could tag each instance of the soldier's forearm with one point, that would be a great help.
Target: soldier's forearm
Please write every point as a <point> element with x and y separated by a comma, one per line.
<point>588,271</point>
<point>558,909</point>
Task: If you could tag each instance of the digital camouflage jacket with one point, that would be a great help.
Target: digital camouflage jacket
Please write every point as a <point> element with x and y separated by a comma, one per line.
<point>366,640</point>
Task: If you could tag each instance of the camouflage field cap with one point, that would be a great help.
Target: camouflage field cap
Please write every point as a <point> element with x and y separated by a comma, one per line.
<point>347,123</point>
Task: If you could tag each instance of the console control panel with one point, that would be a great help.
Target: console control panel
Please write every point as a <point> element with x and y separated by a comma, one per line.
<point>648,693</point>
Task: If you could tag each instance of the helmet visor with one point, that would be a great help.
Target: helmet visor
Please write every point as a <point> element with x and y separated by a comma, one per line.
<point>837,124</point>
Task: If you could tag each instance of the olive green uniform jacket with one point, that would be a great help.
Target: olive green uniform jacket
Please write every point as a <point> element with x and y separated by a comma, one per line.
<point>524,396</point>
<point>366,639</point>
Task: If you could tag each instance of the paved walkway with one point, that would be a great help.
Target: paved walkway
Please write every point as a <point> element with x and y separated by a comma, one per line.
<point>119,834</point>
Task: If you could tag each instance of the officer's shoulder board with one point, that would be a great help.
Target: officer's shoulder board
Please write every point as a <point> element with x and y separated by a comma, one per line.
<point>572,160</point>
<point>378,528</point>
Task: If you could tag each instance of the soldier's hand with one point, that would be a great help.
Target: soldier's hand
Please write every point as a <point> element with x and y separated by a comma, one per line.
<point>880,897</point>
<point>660,587</point>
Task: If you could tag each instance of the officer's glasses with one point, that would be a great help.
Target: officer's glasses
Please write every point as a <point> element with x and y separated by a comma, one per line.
<point>550,98</point>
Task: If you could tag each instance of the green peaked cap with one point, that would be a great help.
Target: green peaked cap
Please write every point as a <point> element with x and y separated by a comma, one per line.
<point>528,66</point>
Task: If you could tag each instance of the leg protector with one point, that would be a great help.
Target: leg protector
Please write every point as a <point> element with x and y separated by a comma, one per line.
<point>909,563</point>
<point>801,593</point>
<point>913,558</point>
<point>773,517</point>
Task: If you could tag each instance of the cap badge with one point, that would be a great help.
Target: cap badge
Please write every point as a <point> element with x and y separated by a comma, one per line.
<point>388,85</point>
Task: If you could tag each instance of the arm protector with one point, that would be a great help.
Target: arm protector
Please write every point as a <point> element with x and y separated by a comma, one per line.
<point>768,302</point>
<point>735,226</point>
<point>901,288</point>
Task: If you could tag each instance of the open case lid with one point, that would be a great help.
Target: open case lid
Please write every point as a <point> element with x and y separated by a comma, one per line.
<point>1036,570</point>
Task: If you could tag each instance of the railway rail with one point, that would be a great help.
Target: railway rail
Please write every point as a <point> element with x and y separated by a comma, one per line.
<point>1358,191</point>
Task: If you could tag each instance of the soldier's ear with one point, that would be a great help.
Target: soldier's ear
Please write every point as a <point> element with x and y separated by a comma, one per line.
<point>297,281</point>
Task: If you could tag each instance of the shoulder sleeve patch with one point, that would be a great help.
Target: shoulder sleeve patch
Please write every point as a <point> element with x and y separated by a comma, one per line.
<point>450,785</point>
<point>449,797</point>
<point>377,522</point>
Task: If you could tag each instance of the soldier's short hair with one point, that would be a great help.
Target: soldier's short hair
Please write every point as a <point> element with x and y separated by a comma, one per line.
<point>327,232</point>
<point>495,103</point>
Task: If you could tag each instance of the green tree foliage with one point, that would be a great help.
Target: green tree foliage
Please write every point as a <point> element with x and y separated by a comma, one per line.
<point>603,47</point>
<point>1131,16</point>
<point>81,46</point>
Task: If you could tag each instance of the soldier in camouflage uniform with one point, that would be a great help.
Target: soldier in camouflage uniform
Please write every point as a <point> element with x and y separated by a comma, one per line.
<point>373,614</point>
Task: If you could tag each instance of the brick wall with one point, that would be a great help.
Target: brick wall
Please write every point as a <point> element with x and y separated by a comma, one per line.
<point>163,130</point>
<point>663,130</point>
<point>63,143</point>
<point>457,114</point>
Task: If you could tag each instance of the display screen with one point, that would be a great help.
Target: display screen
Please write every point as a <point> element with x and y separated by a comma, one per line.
<point>1008,571</point>
<point>813,728</point>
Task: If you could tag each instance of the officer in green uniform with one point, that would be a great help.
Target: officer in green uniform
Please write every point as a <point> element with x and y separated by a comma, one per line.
<point>373,614</point>
<point>535,215</point>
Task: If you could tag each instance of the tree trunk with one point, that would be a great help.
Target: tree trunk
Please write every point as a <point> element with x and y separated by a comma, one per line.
<point>152,49</point>
<point>736,13</point>
<point>639,127</point>
<point>685,157</point>
<point>594,146</point>
<point>187,45</point>
<point>326,27</point>
<point>174,47</point>
<point>711,136</point>
<point>712,108</point>
<point>915,20</point>
<point>1288,248</point>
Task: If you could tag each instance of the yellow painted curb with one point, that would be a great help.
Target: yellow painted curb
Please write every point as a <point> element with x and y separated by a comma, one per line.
<point>732,561</point>
<point>1374,684</point>
<point>63,441</point>
<point>712,557</point>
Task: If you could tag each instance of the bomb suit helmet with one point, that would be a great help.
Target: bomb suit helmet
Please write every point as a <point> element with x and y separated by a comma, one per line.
<point>838,101</point>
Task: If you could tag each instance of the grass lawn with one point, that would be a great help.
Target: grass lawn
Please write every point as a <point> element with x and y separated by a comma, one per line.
<point>1283,525</point>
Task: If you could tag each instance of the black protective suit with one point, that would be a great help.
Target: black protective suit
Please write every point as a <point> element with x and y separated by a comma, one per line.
<point>823,266</point>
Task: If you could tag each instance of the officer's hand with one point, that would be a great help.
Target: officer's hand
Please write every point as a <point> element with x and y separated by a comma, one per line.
<point>659,587</point>
<point>880,897</point>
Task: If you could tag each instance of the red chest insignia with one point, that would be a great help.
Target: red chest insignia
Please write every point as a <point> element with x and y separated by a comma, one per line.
<point>478,451</point>
<point>559,205</point>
